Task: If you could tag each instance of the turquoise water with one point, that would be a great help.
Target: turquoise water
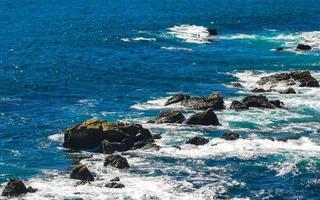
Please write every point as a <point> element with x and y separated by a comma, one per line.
<point>62,62</point>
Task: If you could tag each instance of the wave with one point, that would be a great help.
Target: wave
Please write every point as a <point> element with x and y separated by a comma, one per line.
<point>176,49</point>
<point>191,33</point>
<point>138,39</point>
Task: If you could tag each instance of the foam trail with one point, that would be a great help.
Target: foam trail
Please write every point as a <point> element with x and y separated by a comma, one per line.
<point>191,33</point>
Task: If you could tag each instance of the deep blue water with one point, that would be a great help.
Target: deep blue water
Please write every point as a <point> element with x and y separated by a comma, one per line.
<point>62,62</point>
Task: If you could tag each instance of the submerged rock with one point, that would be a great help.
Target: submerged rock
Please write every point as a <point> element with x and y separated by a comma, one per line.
<point>15,188</point>
<point>230,136</point>
<point>238,105</point>
<point>91,133</point>
<point>81,172</point>
<point>116,161</point>
<point>285,139</point>
<point>114,185</point>
<point>197,141</point>
<point>212,32</point>
<point>288,91</point>
<point>303,47</point>
<point>177,98</point>
<point>169,116</point>
<point>207,117</point>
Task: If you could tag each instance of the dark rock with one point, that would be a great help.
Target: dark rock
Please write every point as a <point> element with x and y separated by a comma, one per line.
<point>238,105</point>
<point>214,101</point>
<point>81,172</point>
<point>156,136</point>
<point>115,179</point>
<point>285,139</point>
<point>111,147</point>
<point>14,188</point>
<point>279,49</point>
<point>288,91</point>
<point>207,117</point>
<point>259,90</point>
<point>212,32</point>
<point>197,141</point>
<point>303,47</point>
<point>83,182</point>
<point>237,85</point>
<point>170,116</point>
<point>257,101</point>
<point>32,190</point>
<point>177,98</point>
<point>152,146</point>
<point>91,133</point>
<point>230,136</point>
<point>277,103</point>
<point>177,147</point>
<point>114,185</point>
<point>116,161</point>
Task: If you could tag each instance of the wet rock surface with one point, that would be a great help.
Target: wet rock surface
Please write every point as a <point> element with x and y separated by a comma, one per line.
<point>81,172</point>
<point>197,141</point>
<point>207,117</point>
<point>117,161</point>
<point>230,136</point>
<point>16,187</point>
<point>169,116</point>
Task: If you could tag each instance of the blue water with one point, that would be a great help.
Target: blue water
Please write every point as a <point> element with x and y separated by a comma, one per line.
<point>62,62</point>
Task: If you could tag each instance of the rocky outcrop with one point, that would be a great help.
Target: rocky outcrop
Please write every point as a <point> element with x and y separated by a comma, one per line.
<point>230,136</point>
<point>16,187</point>
<point>91,133</point>
<point>212,32</point>
<point>303,78</point>
<point>177,98</point>
<point>259,101</point>
<point>260,90</point>
<point>81,172</point>
<point>303,47</point>
<point>238,105</point>
<point>169,116</point>
<point>197,141</point>
<point>117,161</point>
<point>114,185</point>
<point>289,90</point>
<point>207,117</point>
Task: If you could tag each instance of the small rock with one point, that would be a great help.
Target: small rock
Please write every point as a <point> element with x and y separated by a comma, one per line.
<point>32,190</point>
<point>303,47</point>
<point>237,85</point>
<point>115,179</point>
<point>156,136</point>
<point>230,136</point>
<point>14,188</point>
<point>197,141</point>
<point>238,105</point>
<point>207,117</point>
<point>116,161</point>
<point>177,98</point>
<point>257,101</point>
<point>279,49</point>
<point>81,172</point>
<point>212,32</point>
<point>277,103</point>
<point>114,185</point>
<point>170,116</point>
<point>288,91</point>
<point>177,147</point>
<point>259,90</point>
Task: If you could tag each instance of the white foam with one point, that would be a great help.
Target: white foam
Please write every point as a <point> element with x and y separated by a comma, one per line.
<point>176,49</point>
<point>155,104</point>
<point>56,137</point>
<point>191,33</point>
<point>138,39</point>
<point>239,36</point>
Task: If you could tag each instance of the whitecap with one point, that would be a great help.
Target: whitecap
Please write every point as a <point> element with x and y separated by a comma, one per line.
<point>191,33</point>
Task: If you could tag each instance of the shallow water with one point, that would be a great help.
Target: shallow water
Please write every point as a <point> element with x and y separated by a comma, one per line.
<point>63,62</point>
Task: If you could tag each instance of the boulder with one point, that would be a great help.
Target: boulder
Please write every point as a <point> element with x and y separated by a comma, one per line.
<point>207,117</point>
<point>214,101</point>
<point>156,136</point>
<point>230,136</point>
<point>114,185</point>
<point>91,133</point>
<point>177,98</point>
<point>238,105</point>
<point>115,179</point>
<point>303,47</point>
<point>212,32</point>
<point>257,101</point>
<point>14,188</point>
<point>197,141</point>
<point>260,90</point>
<point>117,161</point>
<point>288,91</point>
<point>81,172</point>
<point>277,103</point>
<point>169,116</point>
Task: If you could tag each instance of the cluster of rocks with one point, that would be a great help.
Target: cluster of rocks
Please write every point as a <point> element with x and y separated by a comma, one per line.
<point>258,101</point>
<point>202,140</point>
<point>15,188</point>
<point>300,47</point>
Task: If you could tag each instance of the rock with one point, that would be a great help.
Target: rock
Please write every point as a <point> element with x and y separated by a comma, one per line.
<point>288,91</point>
<point>170,116</point>
<point>238,105</point>
<point>230,136</point>
<point>197,141</point>
<point>257,101</point>
<point>277,103</point>
<point>115,179</point>
<point>285,139</point>
<point>116,161</point>
<point>177,98</point>
<point>207,117</point>
<point>151,146</point>
<point>259,90</point>
<point>114,185</point>
<point>303,47</point>
<point>156,136</point>
<point>237,85</point>
<point>14,188</point>
<point>214,101</point>
<point>212,32</point>
<point>81,172</point>
<point>91,133</point>
<point>111,147</point>
<point>32,190</point>
<point>279,49</point>
<point>177,147</point>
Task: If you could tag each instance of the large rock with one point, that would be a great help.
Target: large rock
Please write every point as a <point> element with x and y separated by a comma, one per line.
<point>81,172</point>
<point>197,141</point>
<point>230,136</point>
<point>259,101</point>
<point>177,98</point>
<point>169,116</point>
<point>207,117</point>
<point>91,133</point>
<point>303,47</point>
<point>304,78</point>
<point>15,188</point>
<point>117,161</point>
<point>238,105</point>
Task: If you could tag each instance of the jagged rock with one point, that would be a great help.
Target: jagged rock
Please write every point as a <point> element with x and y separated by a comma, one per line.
<point>81,172</point>
<point>277,103</point>
<point>212,32</point>
<point>116,161</point>
<point>214,101</point>
<point>197,141</point>
<point>259,90</point>
<point>156,136</point>
<point>91,133</point>
<point>257,101</point>
<point>288,91</point>
<point>230,136</point>
<point>169,116</point>
<point>14,188</point>
<point>115,179</point>
<point>114,185</point>
<point>303,47</point>
<point>238,105</point>
<point>177,98</point>
<point>207,117</point>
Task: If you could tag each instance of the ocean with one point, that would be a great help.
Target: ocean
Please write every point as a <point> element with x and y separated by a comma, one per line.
<point>63,62</point>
